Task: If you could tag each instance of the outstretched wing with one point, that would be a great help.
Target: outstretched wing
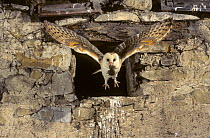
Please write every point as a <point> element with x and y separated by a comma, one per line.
<point>73,40</point>
<point>141,43</point>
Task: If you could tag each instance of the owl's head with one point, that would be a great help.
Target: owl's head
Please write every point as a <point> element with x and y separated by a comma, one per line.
<point>111,59</point>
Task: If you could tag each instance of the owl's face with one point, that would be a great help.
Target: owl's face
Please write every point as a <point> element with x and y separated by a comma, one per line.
<point>111,59</point>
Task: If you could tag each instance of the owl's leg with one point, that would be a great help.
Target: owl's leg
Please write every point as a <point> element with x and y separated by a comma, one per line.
<point>106,85</point>
<point>115,81</point>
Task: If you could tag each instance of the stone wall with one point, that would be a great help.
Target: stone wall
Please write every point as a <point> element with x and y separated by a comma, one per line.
<point>33,73</point>
<point>168,92</point>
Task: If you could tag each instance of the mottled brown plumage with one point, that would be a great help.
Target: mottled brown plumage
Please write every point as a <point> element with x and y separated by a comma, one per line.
<point>73,40</point>
<point>110,62</point>
<point>141,42</point>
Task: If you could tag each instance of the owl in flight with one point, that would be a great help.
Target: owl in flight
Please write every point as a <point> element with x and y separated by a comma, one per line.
<point>110,62</point>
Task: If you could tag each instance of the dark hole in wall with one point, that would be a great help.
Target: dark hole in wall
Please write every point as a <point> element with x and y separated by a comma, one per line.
<point>2,90</point>
<point>88,84</point>
<point>156,5</point>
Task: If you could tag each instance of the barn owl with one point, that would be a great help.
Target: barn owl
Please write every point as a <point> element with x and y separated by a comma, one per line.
<point>110,62</point>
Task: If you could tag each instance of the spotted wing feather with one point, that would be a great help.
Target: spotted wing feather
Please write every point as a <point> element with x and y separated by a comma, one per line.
<point>73,40</point>
<point>141,42</point>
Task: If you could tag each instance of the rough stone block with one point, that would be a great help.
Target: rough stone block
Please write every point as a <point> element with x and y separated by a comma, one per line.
<point>70,97</point>
<point>83,113</point>
<point>36,74</point>
<point>204,28</point>
<point>20,112</point>
<point>161,16</point>
<point>2,120</point>
<point>206,78</point>
<point>183,90</point>
<point>62,83</point>
<point>163,75</point>
<point>128,108</point>
<point>87,104</point>
<point>127,101</point>
<point>139,107</point>
<point>19,83</point>
<point>70,21</point>
<point>52,57</point>
<point>167,60</point>
<point>178,97</point>
<point>118,16</point>
<point>201,96</point>
<point>54,114</point>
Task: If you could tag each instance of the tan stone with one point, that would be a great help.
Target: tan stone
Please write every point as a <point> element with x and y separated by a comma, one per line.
<point>83,113</point>
<point>70,21</point>
<point>87,104</point>
<point>20,112</point>
<point>36,74</point>
<point>118,16</point>
<point>206,78</point>
<point>2,120</point>
<point>39,63</point>
<point>183,90</point>
<point>165,74</point>
<point>161,16</point>
<point>201,96</point>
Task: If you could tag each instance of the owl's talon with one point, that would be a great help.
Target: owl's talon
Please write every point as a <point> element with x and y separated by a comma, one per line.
<point>116,84</point>
<point>106,86</point>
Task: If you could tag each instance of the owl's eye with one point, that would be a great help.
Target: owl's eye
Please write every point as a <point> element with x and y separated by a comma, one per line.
<point>107,59</point>
<point>114,59</point>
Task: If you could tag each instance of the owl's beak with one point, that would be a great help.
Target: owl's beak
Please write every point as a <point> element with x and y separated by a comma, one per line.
<point>111,63</point>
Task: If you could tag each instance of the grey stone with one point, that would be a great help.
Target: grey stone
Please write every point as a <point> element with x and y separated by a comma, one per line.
<point>45,114</point>
<point>167,60</point>
<point>20,7</point>
<point>54,114</point>
<point>161,16</point>
<point>62,83</point>
<point>19,83</point>
<point>70,97</point>
<point>118,16</point>
<point>61,114</point>
<point>138,4</point>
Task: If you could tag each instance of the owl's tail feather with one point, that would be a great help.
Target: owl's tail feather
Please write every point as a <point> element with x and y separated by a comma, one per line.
<point>96,72</point>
